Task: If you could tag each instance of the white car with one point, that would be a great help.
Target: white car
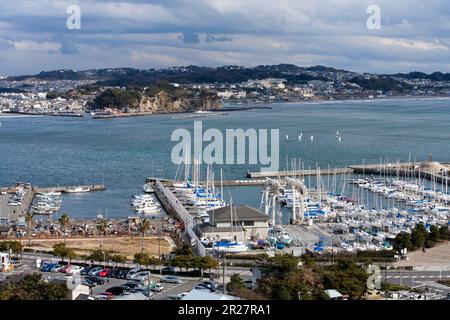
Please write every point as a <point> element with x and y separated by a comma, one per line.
<point>75,270</point>
<point>132,273</point>
<point>141,276</point>
<point>158,287</point>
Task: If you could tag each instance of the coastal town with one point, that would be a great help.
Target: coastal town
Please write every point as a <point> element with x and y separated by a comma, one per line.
<point>185,241</point>
<point>56,93</point>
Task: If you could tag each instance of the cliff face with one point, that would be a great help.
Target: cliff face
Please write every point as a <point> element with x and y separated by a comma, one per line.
<point>162,103</point>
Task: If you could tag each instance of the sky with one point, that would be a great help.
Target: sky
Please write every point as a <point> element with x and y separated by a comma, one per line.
<point>414,35</point>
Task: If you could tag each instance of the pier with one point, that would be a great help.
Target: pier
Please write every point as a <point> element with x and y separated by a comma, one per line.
<point>229,183</point>
<point>292,173</point>
<point>66,189</point>
<point>174,207</point>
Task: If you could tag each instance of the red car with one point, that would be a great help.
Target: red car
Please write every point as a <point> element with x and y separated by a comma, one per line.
<point>66,269</point>
<point>105,272</point>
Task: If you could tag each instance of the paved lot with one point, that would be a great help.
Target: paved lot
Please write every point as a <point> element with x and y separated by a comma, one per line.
<point>169,288</point>
<point>437,256</point>
<point>13,212</point>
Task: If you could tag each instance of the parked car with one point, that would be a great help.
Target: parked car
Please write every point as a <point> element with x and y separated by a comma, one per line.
<point>86,270</point>
<point>76,270</point>
<point>210,283</point>
<point>132,285</point>
<point>158,287</point>
<point>203,288</point>
<point>168,269</point>
<point>123,274</point>
<point>66,269</point>
<point>105,272</point>
<point>115,273</point>
<point>145,292</point>
<point>171,279</point>
<point>142,276</point>
<point>206,286</point>
<point>104,296</point>
<point>119,290</point>
<point>89,283</point>
<point>131,274</point>
<point>48,267</point>
<point>96,279</point>
<point>95,271</point>
<point>178,296</point>
<point>57,268</point>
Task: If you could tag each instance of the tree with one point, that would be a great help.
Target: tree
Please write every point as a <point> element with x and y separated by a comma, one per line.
<point>32,287</point>
<point>118,258</point>
<point>102,227</point>
<point>29,222</point>
<point>99,255</point>
<point>402,241</point>
<point>417,238</point>
<point>64,221</point>
<point>184,250</point>
<point>208,262</point>
<point>15,246</point>
<point>60,250</point>
<point>144,226</point>
<point>236,284</point>
<point>183,261</point>
<point>153,262</point>
<point>443,232</point>
<point>347,277</point>
<point>142,259</point>
<point>434,234</point>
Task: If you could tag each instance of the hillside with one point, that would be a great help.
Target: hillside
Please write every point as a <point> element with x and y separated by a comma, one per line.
<point>154,99</point>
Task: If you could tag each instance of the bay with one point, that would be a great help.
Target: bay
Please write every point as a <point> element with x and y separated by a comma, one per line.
<point>49,151</point>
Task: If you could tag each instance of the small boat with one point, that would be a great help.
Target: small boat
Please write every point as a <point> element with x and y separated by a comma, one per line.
<point>148,188</point>
<point>230,246</point>
<point>78,190</point>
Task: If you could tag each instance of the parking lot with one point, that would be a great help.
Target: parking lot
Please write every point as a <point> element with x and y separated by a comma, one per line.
<point>170,289</point>
<point>13,212</point>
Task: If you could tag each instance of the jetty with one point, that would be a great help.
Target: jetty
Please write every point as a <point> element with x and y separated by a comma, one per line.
<point>174,207</point>
<point>291,173</point>
<point>229,183</point>
<point>67,189</point>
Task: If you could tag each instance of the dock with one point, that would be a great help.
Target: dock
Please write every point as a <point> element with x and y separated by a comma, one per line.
<point>174,207</point>
<point>229,183</point>
<point>65,189</point>
<point>291,173</point>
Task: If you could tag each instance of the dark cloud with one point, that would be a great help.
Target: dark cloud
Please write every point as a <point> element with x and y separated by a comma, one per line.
<point>414,34</point>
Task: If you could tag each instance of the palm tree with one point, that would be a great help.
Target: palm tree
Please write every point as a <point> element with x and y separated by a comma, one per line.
<point>102,227</point>
<point>29,221</point>
<point>64,221</point>
<point>144,226</point>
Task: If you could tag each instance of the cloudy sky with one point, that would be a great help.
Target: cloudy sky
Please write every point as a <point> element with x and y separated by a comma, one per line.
<point>414,34</point>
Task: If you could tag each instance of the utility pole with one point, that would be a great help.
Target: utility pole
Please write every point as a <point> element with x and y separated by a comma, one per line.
<point>223,270</point>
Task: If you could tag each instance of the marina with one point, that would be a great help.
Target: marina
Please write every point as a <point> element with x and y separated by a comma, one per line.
<point>16,201</point>
<point>336,214</point>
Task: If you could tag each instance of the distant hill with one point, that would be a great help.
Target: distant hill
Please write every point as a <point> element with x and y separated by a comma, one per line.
<point>189,74</point>
<point>129,77</point>
<point>435,76</point>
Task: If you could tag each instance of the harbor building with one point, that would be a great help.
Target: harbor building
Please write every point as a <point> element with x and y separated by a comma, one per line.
<point>242,224</point>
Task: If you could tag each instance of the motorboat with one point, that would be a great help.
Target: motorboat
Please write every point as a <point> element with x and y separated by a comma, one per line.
<point>78,189</point>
